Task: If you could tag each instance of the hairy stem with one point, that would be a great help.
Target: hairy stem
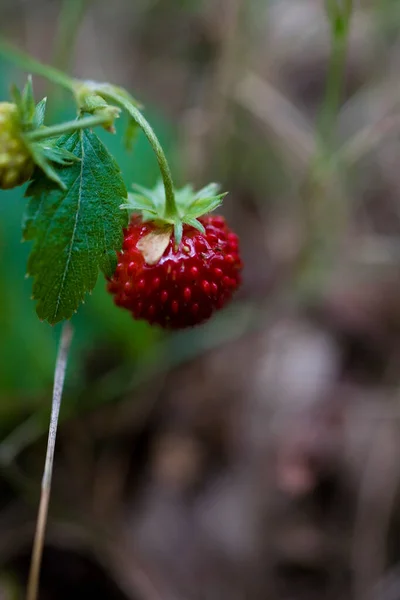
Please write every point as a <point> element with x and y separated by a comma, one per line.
<point>170,206</point>
<point>59,377</point>
<point>67,127</point>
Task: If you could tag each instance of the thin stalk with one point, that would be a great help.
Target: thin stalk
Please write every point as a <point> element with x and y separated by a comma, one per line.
<point>67,127</point>
<point>170,206</point>
<point>340,18</point>
<point>322,192</point>
<point>108,93</point>
<point>32,65</point>
<point>59,377</point>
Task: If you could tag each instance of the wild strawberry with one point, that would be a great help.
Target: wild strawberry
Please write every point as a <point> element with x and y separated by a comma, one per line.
<point>176,286</point>
<point>16,164</point>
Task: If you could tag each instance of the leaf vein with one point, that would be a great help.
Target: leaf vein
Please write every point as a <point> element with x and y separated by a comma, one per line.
<point>60,289</point>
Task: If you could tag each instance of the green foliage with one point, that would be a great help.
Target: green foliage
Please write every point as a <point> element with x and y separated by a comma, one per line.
<point>26,105</point>
<point>40,111</point>
<point>76,230</point>
<point>26,341</point>
<point>51,213</point>
<point>31,120</point>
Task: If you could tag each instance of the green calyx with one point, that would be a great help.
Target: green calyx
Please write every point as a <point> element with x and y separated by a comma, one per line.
<point>93,98</point>
<point>30,115</point>
<point>94,104</point>
<point>103,103</point>
<point>189,206</point>
<point>29,122</point>
<point>164,204</point>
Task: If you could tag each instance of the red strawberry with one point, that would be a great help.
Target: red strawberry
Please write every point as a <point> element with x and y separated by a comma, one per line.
<point>176,287</point>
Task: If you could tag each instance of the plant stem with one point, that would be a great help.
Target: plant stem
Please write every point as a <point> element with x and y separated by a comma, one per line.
<point>170,206</point>
<point>59,377</point>
<point>68,127</point>
<point>325,209</point>
<point>29,64</point>
<point>108,92</point>
<point>340,18</point>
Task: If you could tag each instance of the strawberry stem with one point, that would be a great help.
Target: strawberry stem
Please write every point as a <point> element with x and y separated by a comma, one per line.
<point>171,211</point>
<point>68,127</point>
<point>108,92</point>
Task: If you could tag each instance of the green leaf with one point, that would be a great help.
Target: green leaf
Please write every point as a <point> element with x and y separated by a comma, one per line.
<point>203,206</point>
<point>41,161</point>
<point>183,197</point>
<point>25,102</point>
<point>61,156</point>
<point>155,195</point>
<point>137,202</point>
<point>195,223</point>
<point>148,215</point>
<point>38,118</point>
<point>207,191</point>
<point>31,115</point>
<point>76,231</point>
<point>28,101</point>
<point>16,96</point>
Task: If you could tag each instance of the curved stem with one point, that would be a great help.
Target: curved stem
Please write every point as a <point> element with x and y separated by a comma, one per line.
<point>68,127</point>
<point>38,543</point>
<point>108,92</point>
<point>170,206</point>
<point>32,65</point>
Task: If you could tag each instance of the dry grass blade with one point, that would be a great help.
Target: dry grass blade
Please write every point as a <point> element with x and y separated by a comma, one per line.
<point>59,377</point>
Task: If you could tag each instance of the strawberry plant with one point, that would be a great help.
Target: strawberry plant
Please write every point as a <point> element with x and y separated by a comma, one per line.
<point>77,201</point>
<point>164,257</point>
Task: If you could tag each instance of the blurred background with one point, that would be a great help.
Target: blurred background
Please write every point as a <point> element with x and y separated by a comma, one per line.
<point>257,456</point>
